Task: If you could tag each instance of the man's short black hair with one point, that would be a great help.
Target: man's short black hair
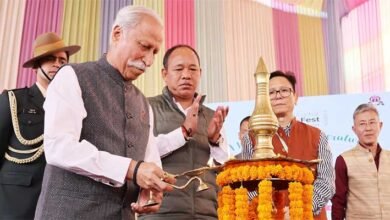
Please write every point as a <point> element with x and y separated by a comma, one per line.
<point>288,75</point>
<point>170,51</point>
<point>245,119</point>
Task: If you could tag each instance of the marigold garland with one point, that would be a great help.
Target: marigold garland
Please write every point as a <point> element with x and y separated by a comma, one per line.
<point>228,210</point>
<point>264,207</point>
<point>234,204</point>
<point>242,209</point>
<point>253,172</point>
<point>295,190</point>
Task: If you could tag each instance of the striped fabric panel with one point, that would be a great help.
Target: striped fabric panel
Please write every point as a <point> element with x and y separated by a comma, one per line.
<point>179,23</point>
<point>36,22</point>
<point>324,186</point>
<point>287,45</point>
<point>151,83</point>
<point>11,19</point>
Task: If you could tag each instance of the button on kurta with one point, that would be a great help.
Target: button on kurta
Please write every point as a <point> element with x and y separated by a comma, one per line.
<point>129,115</point>
<point>130,145</point>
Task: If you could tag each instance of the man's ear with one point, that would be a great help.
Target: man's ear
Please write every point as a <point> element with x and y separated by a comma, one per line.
<point>164,73</point>
<point>116,34</point>
<point>296,98</point>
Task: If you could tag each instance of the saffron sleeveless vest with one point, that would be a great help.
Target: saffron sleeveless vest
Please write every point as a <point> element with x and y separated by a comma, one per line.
<point>302,144</point>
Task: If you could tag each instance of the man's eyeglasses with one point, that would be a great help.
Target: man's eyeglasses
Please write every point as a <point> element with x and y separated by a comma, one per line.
<point>283,92</point>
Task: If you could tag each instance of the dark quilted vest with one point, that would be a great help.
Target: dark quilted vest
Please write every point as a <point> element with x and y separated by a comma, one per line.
<point>186,203</point>
<point>117,122</point>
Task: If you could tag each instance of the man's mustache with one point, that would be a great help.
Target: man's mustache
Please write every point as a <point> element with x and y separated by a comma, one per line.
<point>137,64</point>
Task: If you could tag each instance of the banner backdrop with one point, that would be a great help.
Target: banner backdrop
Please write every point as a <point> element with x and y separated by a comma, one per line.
<point>332,114</point>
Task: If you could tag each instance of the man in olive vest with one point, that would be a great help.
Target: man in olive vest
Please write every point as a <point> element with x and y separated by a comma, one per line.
<point>22,160</point>
<point>362,173</point>
<point>194,134</point>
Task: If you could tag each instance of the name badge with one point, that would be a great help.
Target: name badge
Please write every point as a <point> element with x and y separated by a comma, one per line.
<point>30,111</point>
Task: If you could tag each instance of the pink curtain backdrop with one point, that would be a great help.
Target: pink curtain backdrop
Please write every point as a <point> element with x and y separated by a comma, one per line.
<point>179,23</point>
<point>287,48</point>
<point>351,4</point>
<point>363,48</point>
<point>40,16</point>
<point>370,42</point>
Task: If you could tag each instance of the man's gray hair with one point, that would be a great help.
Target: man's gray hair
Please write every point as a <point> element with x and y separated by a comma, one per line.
<point>365,108</point>
<point>129,16</point>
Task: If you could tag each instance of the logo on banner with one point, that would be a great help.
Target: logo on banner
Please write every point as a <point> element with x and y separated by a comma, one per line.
<point>376,100</point>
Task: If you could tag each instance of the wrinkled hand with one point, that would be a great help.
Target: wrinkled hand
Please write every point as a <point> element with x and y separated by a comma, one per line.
<point>191,121</point>
<point>147,194</point>
<point>215,126</point>
<point>143,198</point>
<point>150,176</point>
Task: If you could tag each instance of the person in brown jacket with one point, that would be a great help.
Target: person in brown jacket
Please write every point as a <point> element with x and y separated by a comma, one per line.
<point>298,140</point>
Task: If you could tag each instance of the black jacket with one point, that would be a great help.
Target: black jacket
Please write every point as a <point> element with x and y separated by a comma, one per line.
<point>20,184</point>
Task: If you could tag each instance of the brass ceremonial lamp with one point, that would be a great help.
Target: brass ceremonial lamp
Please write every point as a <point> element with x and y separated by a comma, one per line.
<point>266,173</point>
<point>263,122</point>
<point>194,176</point>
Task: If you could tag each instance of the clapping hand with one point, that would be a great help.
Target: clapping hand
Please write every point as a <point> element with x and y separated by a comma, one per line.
<point>215,126</point>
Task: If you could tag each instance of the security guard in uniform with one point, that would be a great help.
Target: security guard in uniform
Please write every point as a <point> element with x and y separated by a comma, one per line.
<point>22,160</point>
